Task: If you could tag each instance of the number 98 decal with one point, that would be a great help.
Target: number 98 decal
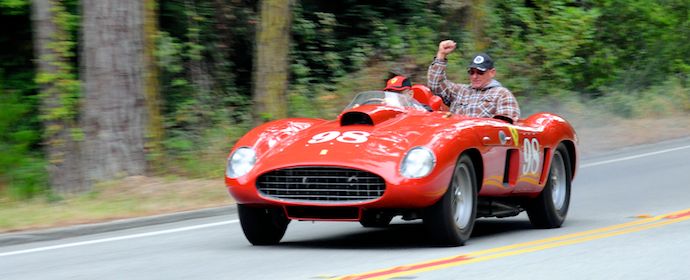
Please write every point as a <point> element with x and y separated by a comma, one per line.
<point>354,137</point>
<point>531,160</point>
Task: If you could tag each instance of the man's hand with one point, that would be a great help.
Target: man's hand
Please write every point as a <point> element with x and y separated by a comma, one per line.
<point>444,48</point>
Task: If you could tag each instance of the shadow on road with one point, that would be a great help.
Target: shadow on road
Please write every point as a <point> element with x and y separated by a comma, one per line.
<point>402,236</point>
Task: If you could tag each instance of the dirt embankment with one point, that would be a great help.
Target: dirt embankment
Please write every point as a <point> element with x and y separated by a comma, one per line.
<point>597,136</point>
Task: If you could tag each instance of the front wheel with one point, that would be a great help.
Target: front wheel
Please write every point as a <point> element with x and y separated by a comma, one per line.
<point>549,209</point>
<point>451,219</point>
<point>262,226</point>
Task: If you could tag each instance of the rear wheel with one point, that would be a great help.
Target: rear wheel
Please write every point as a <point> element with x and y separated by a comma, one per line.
<point>451,219</point>
<point>262,226</point>
<point>549,209</point>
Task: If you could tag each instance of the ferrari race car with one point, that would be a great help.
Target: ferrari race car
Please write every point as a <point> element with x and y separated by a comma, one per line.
<point>388,155</point>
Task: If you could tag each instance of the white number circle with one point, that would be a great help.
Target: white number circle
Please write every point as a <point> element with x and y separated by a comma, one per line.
<point>354,137</point>
<point>323,137</point>
<point>531,160</point>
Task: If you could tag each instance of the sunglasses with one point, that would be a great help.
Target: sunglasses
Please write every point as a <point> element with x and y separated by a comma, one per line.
<point>475,71</point>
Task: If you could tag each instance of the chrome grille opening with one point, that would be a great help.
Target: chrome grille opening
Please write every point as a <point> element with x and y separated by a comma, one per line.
<point>323,184</point>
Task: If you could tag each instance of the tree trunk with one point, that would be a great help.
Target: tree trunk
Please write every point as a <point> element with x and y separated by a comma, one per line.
<point>58,91</point>
<point>154,135</point>
<point>271,61</point>
<point>114,109</point>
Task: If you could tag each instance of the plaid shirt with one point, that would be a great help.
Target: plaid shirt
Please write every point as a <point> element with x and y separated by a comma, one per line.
<point>487,102</point>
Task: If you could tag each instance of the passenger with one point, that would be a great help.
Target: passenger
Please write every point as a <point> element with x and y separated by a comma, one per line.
<point>484,97</point>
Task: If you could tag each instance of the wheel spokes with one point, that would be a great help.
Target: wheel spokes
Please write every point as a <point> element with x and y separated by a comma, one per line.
<point>462,198</point>
<point>558,182</point>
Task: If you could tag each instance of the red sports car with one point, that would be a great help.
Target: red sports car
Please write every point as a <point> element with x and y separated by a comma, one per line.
<point>388,155</point>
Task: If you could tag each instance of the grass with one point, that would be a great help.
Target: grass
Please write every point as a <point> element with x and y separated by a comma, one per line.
<point>129,197</point>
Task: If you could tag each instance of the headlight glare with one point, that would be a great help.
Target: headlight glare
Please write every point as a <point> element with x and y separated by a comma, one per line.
<point>417,163</point>
<point>240,162</point>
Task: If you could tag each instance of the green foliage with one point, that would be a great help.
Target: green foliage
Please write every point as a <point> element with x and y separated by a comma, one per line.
<point>631,56</point>
<point>639,43</point>
<point>215,42</point>
<point>539,49</point>
<point>332,39</point>
<point>14,7</point>
<point>21,168</point>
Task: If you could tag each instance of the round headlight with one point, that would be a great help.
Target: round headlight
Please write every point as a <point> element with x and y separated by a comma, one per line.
<point>417,163</point>
<point>240,162</point>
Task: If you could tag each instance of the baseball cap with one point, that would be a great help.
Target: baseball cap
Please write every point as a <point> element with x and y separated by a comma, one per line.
<point>398,83</point>
<point>482,62</point>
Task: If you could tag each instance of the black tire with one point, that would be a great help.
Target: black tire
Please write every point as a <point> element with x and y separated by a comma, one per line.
<point>445,225</point>
<point>262,226</point>
<point>550,208</point>
<point>375,219</point>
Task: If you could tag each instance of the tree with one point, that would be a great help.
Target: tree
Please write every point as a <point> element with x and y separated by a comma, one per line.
<point>114,110</point>
<point>271,60</point>
<point>154,128</point>
<point>59,95</point>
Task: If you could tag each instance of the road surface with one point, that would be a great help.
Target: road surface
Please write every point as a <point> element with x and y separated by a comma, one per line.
<point>629,219</point>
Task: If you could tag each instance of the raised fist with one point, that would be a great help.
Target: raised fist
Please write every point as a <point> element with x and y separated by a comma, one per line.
<point>444,48</point>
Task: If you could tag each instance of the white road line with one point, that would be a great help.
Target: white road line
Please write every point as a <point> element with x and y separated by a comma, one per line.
<point>633,157</point>
<point>147,234</point>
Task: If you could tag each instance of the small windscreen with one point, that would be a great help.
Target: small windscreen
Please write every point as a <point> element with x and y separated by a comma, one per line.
<point>385,98</point>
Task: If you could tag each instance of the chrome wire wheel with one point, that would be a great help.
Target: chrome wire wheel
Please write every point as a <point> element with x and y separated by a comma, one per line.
<point>450,220</point>
<point>558,182</point>
<point>548,210</point>
<point>462,197</point>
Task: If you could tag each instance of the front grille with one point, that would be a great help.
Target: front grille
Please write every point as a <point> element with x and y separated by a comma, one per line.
<point>322,184</point>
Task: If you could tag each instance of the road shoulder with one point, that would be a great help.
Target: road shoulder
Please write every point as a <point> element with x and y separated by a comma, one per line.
<point>23,237</point>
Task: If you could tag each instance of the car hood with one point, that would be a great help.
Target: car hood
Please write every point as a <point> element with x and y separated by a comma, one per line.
<point>378,146</point>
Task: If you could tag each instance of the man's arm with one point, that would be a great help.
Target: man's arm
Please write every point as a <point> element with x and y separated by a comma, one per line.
<point>436,75</point>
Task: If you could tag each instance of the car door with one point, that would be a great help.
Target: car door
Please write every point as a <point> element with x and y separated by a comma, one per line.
<point>501,157</point>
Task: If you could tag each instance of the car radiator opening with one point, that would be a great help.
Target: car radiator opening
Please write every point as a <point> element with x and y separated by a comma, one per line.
<point>321,184</point>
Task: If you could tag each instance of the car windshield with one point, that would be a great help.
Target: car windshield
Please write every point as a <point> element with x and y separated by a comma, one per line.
<point>386,98</point>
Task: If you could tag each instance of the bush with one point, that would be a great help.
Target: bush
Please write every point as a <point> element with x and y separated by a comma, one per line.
<point>662,100</point>
<point>21,168</point>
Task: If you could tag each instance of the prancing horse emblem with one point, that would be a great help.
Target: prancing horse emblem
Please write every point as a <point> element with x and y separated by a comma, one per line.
<point>352,179</point>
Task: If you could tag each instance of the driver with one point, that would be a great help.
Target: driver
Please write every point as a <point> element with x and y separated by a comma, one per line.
<point>399,84</point>
<point>402,85</point>
<point>483,97</point>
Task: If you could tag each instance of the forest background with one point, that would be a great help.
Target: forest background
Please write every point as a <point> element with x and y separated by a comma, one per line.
<point>203,87</point>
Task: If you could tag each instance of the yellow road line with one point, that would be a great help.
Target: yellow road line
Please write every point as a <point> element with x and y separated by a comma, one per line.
<point>525,247</point>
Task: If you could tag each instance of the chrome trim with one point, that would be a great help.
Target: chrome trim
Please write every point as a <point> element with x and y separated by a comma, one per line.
<point>321,185</point>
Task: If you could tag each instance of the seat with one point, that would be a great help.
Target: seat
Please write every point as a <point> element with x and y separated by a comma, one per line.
<point>423,94</point>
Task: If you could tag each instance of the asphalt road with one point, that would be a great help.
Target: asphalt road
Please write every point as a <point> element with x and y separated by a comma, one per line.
<point>629,219</point>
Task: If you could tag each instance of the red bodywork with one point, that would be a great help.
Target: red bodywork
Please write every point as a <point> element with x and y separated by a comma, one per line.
<point>510,159</point>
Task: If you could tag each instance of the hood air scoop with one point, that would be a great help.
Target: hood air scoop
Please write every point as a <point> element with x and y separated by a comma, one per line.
<point>368,115</point>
